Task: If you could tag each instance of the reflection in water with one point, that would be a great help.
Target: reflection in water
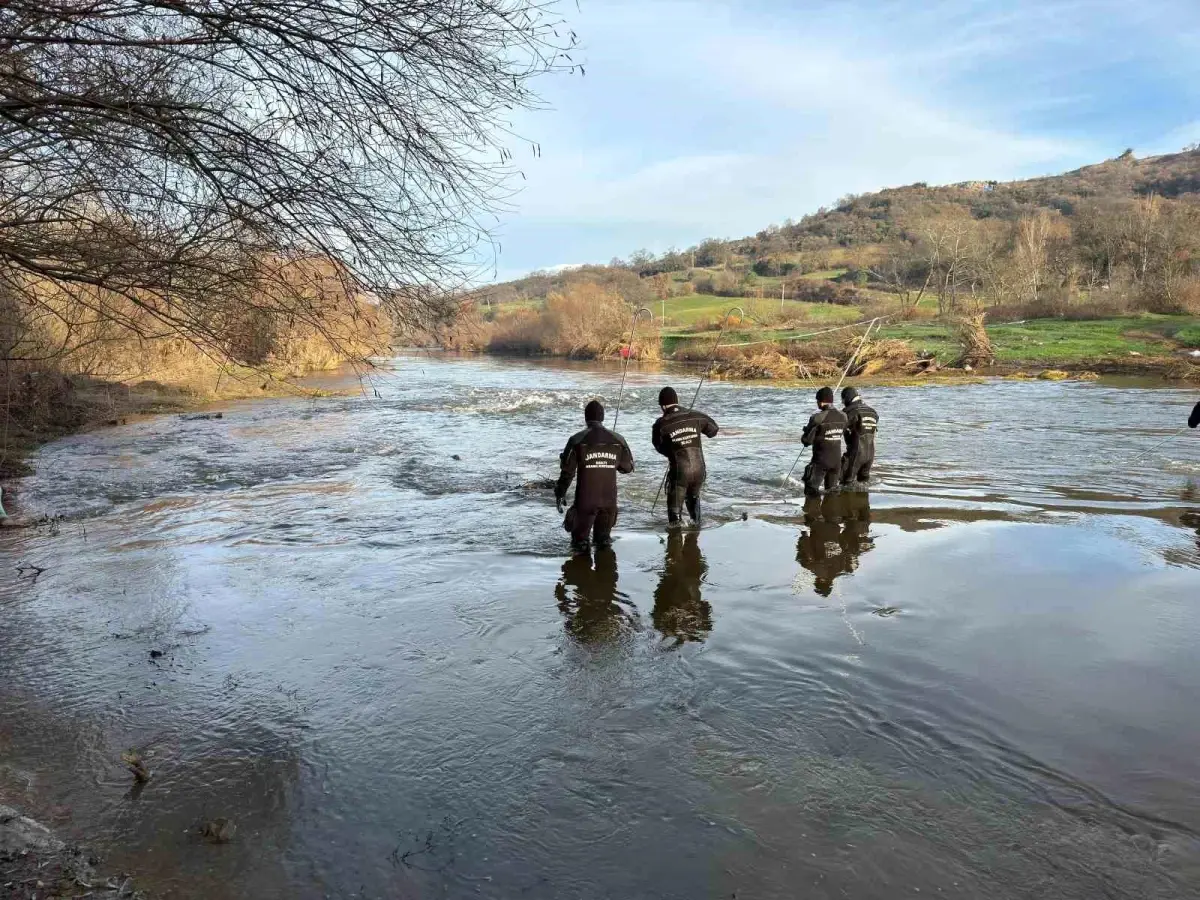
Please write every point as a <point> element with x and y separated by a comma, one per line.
<point>595,611</point>
<point>679,609</point>
<point>836,533</point>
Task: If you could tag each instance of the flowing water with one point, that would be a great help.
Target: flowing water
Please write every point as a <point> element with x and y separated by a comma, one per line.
<point>351,627</point>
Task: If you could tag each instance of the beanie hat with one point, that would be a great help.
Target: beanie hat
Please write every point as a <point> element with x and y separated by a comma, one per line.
<point>667,397</point>
<point>594,411</point>
<point>849,395</point>
<point>825,395</point>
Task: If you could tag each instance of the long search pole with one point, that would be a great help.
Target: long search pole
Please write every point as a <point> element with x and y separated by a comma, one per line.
<point>628,354</point>
<point>707,369</point>
<point>1170,437</point>
<point>845,372</point>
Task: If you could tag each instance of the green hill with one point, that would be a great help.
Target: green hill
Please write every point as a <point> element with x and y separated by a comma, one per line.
<point>1116,242</point>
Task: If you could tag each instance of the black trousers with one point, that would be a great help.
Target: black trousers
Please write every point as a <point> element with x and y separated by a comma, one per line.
<point>857,467</point>
<point>818,477</point>
<point>591,524</point>
<point>683,487</point>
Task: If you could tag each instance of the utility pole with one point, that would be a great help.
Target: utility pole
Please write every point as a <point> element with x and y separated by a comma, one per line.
<point>782,294</point>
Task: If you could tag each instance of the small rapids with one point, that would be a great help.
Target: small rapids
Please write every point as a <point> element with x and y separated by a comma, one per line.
<point>351,627</point>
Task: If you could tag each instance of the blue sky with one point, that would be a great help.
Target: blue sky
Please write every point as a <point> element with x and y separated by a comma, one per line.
<point>714,119</point>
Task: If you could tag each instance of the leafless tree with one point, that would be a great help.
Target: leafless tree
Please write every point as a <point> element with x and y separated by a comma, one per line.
<point>176,167</point>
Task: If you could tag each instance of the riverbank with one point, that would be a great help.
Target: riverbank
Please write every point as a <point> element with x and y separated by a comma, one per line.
<point>36,865</point>
<point>1151,345</point>
<point>54,406</point>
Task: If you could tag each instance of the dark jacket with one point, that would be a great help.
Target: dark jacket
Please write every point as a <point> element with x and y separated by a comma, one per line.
<point>597,455</point>
<point>862,421</point>
<point>1194,418</point>
<point>824,434</point>
<point>676,435</point>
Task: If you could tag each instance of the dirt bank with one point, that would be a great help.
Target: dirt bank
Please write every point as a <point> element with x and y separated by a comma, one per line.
<point>36,865</point>
<point>45,407</point>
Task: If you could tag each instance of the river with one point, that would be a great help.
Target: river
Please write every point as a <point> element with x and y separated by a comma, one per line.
<point>348,626</point>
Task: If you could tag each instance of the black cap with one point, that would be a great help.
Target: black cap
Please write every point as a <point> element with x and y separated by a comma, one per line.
<point>849,395</point>
<point>667,397</point>
<point>825,395</point>
<point>594,411</point>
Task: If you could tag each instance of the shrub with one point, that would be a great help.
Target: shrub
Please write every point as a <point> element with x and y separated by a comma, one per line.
<point>518,331</point>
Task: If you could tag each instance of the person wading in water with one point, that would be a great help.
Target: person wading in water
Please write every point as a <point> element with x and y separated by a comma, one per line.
<point>596,455</point>
<point>860,438</point>
<point>1194,418</point>
<point>824,434</point>
<point>676,435</point>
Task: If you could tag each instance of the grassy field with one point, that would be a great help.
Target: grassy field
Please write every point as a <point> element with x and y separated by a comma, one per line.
<point>1041,342</point>
<point>1050,340</point>
<point>686,311</point>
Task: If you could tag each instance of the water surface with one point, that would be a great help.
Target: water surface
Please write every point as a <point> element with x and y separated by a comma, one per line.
<point>979,680</point>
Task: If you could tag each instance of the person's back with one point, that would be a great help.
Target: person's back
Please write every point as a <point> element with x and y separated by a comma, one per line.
<point>1194,418</point>
<point>595,455</point>
<point>862,422</point>
<point>824,434</point>
<point>677,435</point>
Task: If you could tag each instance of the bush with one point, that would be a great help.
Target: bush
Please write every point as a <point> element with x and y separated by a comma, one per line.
<point>519,331</point>
<point>720,284</point>
<point>584,322</point>
<point>815,291</point>
<point>1178,296</point>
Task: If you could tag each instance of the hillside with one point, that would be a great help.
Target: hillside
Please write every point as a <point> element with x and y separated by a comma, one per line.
<point>1118,241</point>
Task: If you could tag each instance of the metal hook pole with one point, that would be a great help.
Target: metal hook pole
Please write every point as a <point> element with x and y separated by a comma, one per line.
<point>1170,437</point>
<point>624,371</point>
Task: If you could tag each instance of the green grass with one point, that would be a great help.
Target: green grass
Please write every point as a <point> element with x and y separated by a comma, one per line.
<point>1189,336</point>
<point>1042,342</point>
<point>685,311</point>
<point>1051,340</point>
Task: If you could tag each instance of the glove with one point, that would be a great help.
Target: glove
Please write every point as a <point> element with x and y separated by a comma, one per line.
<point>559,501</point>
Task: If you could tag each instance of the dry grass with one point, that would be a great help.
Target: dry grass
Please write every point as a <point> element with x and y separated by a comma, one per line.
<point>85,358</point>
<point>769,363</point>
<point>974,343</point>
<point>883,355</point>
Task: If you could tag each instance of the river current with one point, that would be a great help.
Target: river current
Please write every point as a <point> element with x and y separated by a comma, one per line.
<point>351,626</point>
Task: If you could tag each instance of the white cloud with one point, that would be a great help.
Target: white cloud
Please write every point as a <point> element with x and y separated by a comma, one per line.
<point>708,118</point>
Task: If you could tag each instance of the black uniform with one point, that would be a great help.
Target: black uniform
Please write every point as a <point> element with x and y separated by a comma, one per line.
<point>824,434</point>
<point>1194,418</point>
<point>860,442</point>
<point>597,455</point>
<point>676,435</point>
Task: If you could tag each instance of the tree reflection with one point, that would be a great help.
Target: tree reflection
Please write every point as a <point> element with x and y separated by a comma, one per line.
<point>837,531</point>
<point>594,611</point>
<point>679,609</point>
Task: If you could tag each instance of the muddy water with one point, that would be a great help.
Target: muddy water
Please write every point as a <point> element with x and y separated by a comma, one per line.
<point>981,680</point>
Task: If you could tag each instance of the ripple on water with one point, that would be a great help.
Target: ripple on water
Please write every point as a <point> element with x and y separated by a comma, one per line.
<point>376,659</point>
